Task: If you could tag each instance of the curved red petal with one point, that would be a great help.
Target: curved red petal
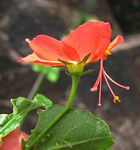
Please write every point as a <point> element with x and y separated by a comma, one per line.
<point>118,40</point>
<point>49,48</point>
<point>71,53</point>
<point>13,140</point>
<point>91,37</point>
<point>33,58</point>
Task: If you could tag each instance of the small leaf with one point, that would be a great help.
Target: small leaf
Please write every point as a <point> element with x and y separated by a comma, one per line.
<point>45,101</point>
<point>77,130</point>
<point>40,69</point>
<point>21,106</point>
<point>51,73</point>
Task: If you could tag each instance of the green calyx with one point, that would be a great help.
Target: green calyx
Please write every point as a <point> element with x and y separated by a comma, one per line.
<point>76,69</point>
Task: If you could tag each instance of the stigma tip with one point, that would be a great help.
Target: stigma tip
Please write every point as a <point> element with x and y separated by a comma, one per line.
<point>27,40</point>
<point>94,89</point>
<point>99,104</point>
<point>127,88</point>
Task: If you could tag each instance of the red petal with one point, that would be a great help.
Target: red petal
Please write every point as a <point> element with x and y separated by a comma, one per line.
<point>33,58</point>
<point>71,53</point>
<point>91,37</point>
<point>13,140</point>
<point>51,49</point>
<point>118,40</point>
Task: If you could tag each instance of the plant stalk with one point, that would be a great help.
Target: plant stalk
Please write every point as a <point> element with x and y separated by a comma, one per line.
<point>36,85</point>
<point>75,81</point>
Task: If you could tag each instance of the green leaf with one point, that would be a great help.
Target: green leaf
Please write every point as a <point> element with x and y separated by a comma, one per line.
<point>40,69</point>
<point>21,106</point>
<point>41,98</point>
<point>51,73</point>
<point>77,130</point>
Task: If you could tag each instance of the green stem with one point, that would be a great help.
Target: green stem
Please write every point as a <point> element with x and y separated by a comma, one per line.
<point>75,81</point>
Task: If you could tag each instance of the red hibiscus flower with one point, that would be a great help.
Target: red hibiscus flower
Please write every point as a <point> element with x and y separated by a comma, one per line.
<point>13,140</point>
<point>90,39</point>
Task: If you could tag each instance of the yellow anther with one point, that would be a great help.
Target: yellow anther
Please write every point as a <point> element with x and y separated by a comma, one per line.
<point>107,52</point>
<point>116,99</point>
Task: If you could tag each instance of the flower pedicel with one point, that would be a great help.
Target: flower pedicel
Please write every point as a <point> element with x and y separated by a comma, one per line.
<point>86,44</point>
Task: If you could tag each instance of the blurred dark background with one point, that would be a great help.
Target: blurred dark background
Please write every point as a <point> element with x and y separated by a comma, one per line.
<point>28,18</point>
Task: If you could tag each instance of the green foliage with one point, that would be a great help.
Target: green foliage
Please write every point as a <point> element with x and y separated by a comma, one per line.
<point>51,73</point>
<point>21,106</point>
<point>77,130</point>
<point>41,98</point>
